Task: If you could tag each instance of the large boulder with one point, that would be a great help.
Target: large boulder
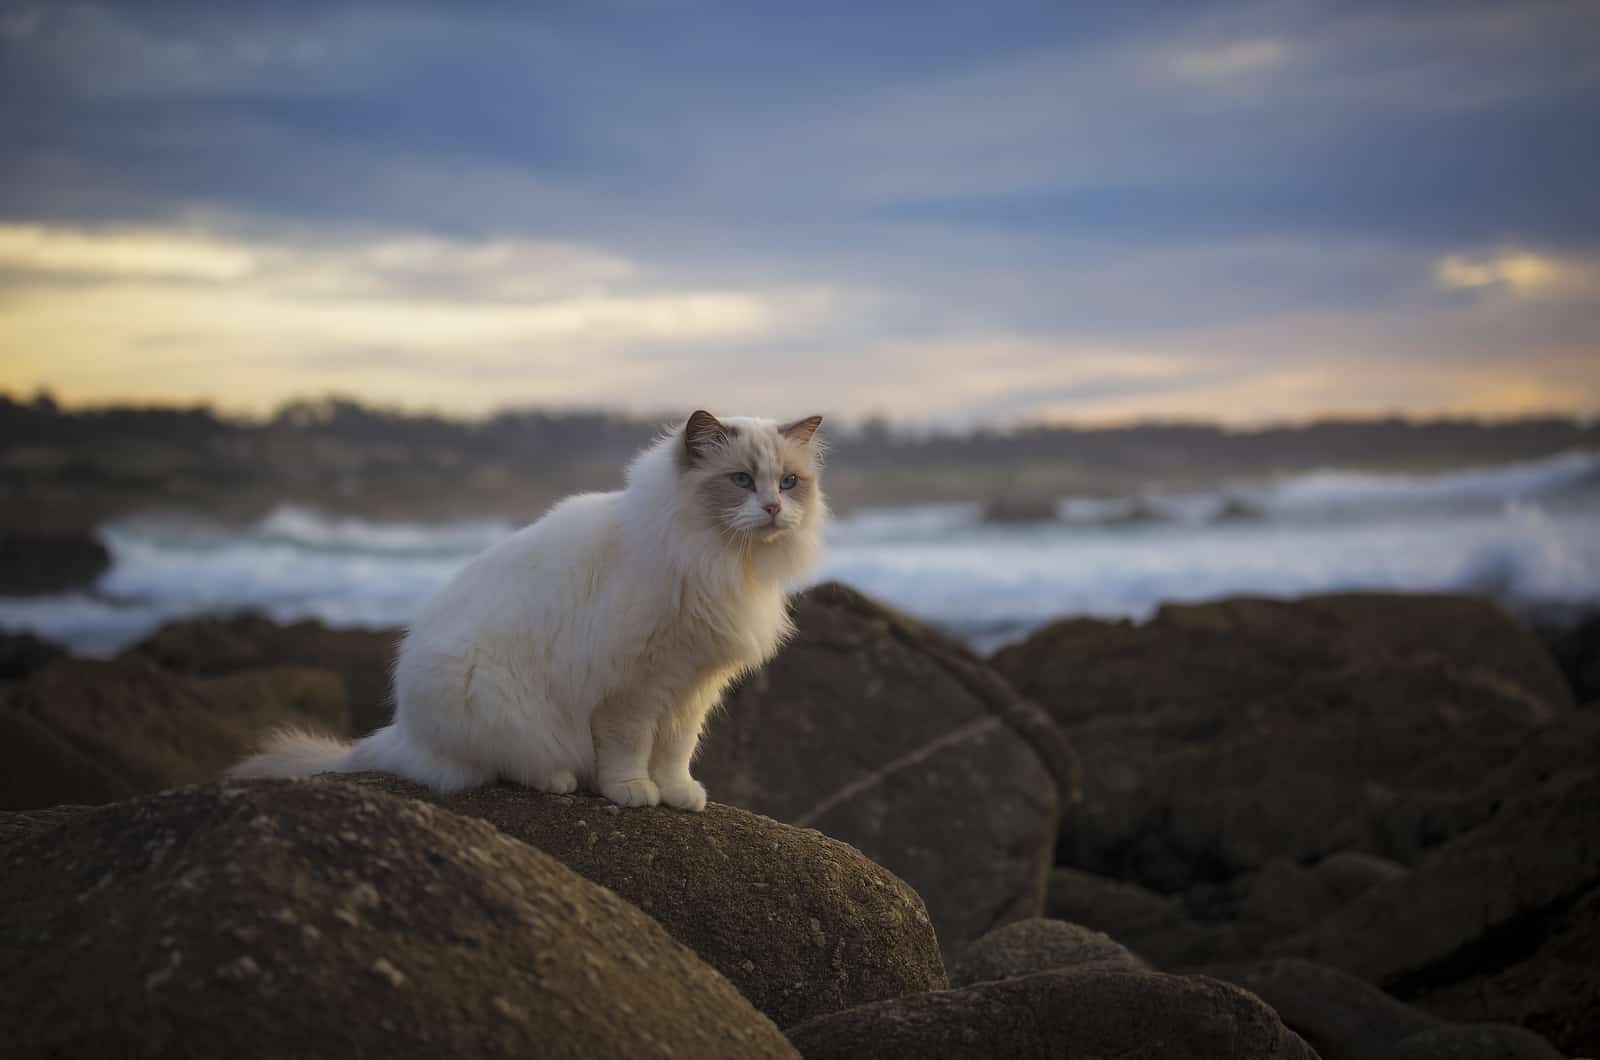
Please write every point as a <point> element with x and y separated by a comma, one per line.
<point>1491,900</point>
<point>1485,1041</point>
<point>362,658</point>
<point>882,733</point>
<point>802,924</point>
<point>1551,985</point>
<point>35,563</point>
<point>1156,927</point>
<point>1340,1016</point>
<point>1092,1011</point>
<point>282,919</point>
<point>23,653</point>
<point>1027,946</point>
<point>92,731</point>
<point>1217,737</point>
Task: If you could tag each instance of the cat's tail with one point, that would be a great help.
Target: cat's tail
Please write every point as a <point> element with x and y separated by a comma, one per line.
<point>295,753</point>
<point>292,753</point>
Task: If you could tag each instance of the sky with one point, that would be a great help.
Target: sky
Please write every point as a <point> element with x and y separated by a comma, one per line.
<point>946,213</point>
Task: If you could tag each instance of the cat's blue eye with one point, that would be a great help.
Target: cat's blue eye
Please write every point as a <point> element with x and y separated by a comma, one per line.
<point>743,480</point>
<point>788,482</point>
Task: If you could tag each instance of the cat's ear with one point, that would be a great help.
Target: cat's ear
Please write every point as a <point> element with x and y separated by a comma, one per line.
<point>801,430</point>
<point>702,431</point>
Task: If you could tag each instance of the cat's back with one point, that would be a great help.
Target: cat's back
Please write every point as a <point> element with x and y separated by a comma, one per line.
<point>540,566</point>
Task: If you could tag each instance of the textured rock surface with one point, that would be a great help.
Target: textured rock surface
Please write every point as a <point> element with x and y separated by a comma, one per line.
<point>126,726</point>
<point>1338,1015</point>
<point>1089,1012</point>
<point>881,733</point>
<point>800,923</point>
<point>1536,857</point>
<point>207,647</point>
<point>1153,926</point>
<point>1039,945</point>
<point>1552,988</point>
<point>1219,736</point>
<point>1475,1042</point>
<point>284,919</point>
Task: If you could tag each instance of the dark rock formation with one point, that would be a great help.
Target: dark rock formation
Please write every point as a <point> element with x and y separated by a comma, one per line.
<point>1484,1041</point>
<point>1093,1011</point>
<point>884,734</point>
<point>1156,927</point>
<point>800,923</point>
<point>87,731</point>
<point>1340,1016</point>
<point>281,919</point>
<point>211,646</point>
<point>23,653</point>
<point>34,563</point>
<point>1029,946</point>
<point>1219,736</point>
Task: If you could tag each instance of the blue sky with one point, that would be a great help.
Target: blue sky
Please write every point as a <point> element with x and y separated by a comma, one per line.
<point>956,213</point>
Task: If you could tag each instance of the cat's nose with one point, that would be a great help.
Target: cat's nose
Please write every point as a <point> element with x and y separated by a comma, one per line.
<point>774,508</point>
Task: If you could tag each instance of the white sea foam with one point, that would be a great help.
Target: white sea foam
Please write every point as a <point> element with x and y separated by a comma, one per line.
<point>1528,532</point>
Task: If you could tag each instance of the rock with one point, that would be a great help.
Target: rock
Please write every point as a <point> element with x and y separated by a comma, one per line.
<point>1486,897</point>
<point>41,768</point>
<point>1153,926</point>
<point>1019,511</point>
<point>1092,1011</point>
<point>113,728</point>
<point>284,919</point>
<point>884,734</point>
<point>1486,1041</point>
<point>1283,897</point>
<point>1217,737</point>
<point>1352,872</point>
<point>213,646</point>
<point>1552,988</point>
<point>1576,647</point>
<point>800,923</point>
<point>1338,1015</point>
<point>23,653</point>
<point>1029,946</point>
<point>34,563</point>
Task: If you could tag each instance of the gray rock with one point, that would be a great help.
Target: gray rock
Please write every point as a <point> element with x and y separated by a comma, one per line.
<point>1349,873</point>
<point>1340,1016</point>
<point>1218,736</point>
<point>89,731</point>
<point>34,563</point>
<point>1552,988</point>
<point>1092,1011</point>
<point>880,732</point>
<point>1155,927</point>
<point>282,919</point>
<point>1029,946</point>
<point>209,647</point>
<point>800,923</point>
<point>1485,1041</point>
<point>1531,859</point>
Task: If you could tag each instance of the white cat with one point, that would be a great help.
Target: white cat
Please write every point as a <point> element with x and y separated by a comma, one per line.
<point>588,648</point>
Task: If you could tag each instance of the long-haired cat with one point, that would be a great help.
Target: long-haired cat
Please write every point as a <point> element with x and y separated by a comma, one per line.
<point>588,648</point>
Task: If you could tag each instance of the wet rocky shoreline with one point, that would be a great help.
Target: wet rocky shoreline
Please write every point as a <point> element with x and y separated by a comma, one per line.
<point>1358,825</point>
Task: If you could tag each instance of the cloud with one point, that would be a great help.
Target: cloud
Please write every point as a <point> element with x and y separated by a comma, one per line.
<point>1521,273</point>
<point>248,322</point>
<point>1227,61</point>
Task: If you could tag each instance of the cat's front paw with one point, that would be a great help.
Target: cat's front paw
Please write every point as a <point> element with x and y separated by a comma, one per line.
<point>684,794</point>
<point>640,792</point>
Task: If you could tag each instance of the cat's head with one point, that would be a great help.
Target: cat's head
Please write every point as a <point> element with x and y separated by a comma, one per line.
<point>756,480</point>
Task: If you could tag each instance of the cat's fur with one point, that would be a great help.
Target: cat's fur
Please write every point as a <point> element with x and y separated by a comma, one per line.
<point>588,648</point>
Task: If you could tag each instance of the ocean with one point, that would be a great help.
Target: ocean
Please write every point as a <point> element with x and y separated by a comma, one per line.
<point>1528,534</point>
